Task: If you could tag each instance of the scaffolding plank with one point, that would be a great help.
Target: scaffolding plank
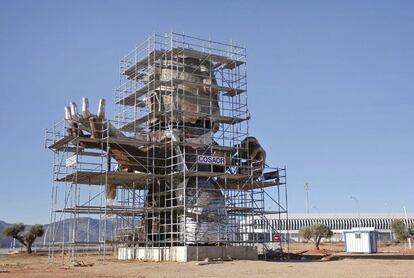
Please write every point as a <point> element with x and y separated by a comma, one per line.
<point>229,63</point>
<point>139,103</point>
<point>130,141</point>
<point>130,99</point>
<point>181,114</point>
<point>133,98</point>
<point>228,119</point>
<point>204,116</point>
<point>212,147</point>
<point>155,55</point>
<point>144,62</point>
<point>230,91</point>
<point>61,142</point>
<point>191,173</point>
<point>87,153</point>
<point>61,145</point>
<point>137,122</point>
<point>117,210</point>
<point>248,185</point>
<point>251,210</point>
<point>112,140</point>
<point>77,150</point>
<point>125,179</point>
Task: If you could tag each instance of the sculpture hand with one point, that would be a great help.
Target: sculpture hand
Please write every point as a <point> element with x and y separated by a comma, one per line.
<point>96,125</point>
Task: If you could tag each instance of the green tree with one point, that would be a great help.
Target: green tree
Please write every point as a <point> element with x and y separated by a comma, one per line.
<point>315,233</point>
<point>398,228</point>
<point>25,238</point>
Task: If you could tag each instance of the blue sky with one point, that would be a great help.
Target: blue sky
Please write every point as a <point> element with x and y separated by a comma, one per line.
<point>330,87</point>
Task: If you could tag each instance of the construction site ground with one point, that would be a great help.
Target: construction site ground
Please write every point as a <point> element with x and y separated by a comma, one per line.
<point>392,261</point>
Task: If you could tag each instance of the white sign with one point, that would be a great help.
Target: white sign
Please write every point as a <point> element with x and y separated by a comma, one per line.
<point>207,159</point>
<point>71,161</point>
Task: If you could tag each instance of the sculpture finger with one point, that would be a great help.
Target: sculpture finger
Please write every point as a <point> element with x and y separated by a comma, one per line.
<point>101,109</point>
<point>68,117</point>
<point>74,111</point>
<point>85,108</point>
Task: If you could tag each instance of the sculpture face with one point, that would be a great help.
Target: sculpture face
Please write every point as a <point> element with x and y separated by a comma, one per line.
<point>193,108</point>
<point>187,97</point>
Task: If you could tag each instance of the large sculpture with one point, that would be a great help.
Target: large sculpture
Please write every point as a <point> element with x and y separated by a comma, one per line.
<point>193,108</point>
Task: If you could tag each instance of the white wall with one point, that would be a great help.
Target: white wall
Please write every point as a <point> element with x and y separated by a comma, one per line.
<point>360,242</point>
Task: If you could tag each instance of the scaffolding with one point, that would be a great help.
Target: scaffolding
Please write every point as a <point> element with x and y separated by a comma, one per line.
<point>180,168</point>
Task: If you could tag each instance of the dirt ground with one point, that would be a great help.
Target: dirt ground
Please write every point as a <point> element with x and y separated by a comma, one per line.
<point>392,261</point>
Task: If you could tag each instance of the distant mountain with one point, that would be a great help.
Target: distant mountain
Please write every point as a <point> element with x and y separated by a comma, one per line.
<point>4,241</point>
<point>62,230</point>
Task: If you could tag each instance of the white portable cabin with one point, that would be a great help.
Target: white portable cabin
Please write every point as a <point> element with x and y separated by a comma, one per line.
<point>360,240</point>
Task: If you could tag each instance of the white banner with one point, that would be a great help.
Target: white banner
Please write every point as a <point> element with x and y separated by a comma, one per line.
<point>71,161</point>
<point>207,159</point>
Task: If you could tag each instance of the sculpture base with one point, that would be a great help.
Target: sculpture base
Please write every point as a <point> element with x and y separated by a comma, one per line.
<point>187,253</point>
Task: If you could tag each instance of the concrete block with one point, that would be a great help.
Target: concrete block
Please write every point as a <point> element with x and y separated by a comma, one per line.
<point>187,253</point>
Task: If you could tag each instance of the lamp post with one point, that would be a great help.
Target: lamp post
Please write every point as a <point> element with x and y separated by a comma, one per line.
<point>307,197</point>
<point>390,219</point>
<point>357,206</point>
<point>316,209</point>
<point>406,220</point>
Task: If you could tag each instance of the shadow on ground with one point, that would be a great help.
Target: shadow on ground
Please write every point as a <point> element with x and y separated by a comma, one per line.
<point>336,256</point>
<point>378,256</point>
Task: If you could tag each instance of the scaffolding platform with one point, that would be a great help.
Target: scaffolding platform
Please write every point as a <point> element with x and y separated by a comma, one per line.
<point>141,180</point>
<point>124,179</point>
<point>61,143</point>
<point>111,210</point>
<point>155,55</point>
<point>131,98</point>
<point>249,185</point>
<point>165,86</point>
<point>178,115</point>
